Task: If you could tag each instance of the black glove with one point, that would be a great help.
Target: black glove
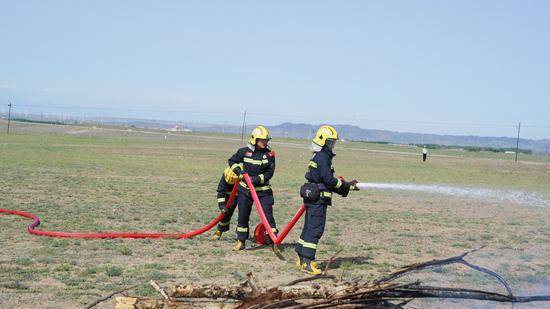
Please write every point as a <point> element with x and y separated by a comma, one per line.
<point>255,180</point>
<point>353,185</point>
<point>223,207</point>
<point>237,170</point>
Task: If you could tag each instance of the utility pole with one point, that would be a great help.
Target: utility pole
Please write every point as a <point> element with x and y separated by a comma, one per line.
<point>9,119</point>
<point>244,124</point>
<point>517,142</point>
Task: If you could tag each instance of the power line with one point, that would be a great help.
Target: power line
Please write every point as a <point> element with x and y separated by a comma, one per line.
<point>536,127</point>
<point>292,116</point>
<point>124,109</point>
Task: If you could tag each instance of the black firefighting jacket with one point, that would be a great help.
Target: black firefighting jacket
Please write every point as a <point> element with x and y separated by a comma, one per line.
<point>223,192</point>
<point>320,171</point>
<point>260,166</point>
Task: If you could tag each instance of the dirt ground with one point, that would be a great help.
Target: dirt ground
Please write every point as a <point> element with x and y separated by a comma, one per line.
<point>84,179</point>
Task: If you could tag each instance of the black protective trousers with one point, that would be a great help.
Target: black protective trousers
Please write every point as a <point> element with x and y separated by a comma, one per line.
<point>245,207</point>
<point>223,226</point>
<point>314,226</point>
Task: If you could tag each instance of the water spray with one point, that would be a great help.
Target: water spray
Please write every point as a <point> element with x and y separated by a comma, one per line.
<point>514,196</point>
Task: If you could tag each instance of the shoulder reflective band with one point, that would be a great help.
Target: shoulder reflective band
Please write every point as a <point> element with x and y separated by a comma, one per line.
<point>221,199</point>
<point>338,184</point>
<point>252,161</point>
<point>262,178</point>
<point>242,229</point>
<point>265,161</point>
<point>312,164</point>
<point>326,194</point>
<point>307,244</point>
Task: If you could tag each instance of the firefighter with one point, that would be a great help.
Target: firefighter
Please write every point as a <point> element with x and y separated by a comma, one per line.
<point>258,161</point>
<point>317,194</point>
<point>225,186</point>
<point>424,153</point>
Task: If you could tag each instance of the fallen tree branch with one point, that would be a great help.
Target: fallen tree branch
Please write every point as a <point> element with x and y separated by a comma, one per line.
<point>383,293</point>
<point>443,292</point>
<point>102,299</point>
<point>158,289</point>
<point>330,261</point>
<point>424,265</point>
<point>438,263</point>
<point>307,279</point>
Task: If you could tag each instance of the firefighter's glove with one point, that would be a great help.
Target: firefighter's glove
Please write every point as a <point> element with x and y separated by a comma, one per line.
<point>223,207</point>
<point>255,180</point>
<point>353,185</point>
<point>238,171</point>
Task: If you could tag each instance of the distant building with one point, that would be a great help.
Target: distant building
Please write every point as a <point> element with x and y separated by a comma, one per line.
<point>176,128</point>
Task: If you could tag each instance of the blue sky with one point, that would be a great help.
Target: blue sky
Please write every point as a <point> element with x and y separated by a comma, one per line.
<point>397,65</point>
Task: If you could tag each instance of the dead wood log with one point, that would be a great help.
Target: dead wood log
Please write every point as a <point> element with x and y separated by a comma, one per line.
<point>152,303</point>
<point>383,292</point>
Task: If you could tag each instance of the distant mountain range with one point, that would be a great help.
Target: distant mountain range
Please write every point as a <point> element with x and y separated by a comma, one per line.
<point>355,133</point>
<point>347,132</point>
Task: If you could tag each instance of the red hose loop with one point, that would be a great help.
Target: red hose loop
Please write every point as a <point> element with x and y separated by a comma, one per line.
<point>32,228</point>
<point>276,240</point>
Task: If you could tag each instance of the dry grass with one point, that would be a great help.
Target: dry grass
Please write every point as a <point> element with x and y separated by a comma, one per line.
<point>109,180</point>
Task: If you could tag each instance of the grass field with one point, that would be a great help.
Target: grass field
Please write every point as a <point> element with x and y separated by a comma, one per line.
<point>86,179</point>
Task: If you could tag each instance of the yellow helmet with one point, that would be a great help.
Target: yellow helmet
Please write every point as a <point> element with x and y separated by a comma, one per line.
<point>324,133</point>
<point>230,176</point>
<point>260,132</point>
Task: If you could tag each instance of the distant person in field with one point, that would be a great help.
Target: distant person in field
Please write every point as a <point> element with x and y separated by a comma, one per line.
<point>424,154</point>
<point>317,194</point>
<point>225,186</point>
<point>258,161</point>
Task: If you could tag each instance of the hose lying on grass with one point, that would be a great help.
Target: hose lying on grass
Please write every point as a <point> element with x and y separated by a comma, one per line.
<point>32,228</point>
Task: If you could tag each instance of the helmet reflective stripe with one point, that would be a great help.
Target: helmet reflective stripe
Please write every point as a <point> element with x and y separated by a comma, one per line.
<point>324,133</point>
<point>260,132</point>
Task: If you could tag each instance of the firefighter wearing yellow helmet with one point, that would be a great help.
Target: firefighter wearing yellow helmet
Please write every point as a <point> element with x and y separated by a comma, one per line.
<point>317,195</point>
<point>225,186</point>
<point>258,161</point>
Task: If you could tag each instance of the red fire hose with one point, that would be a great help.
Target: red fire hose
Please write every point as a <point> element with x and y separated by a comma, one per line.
<point>266,227</point>
<point>32,227</point>
<point>260,230</point>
